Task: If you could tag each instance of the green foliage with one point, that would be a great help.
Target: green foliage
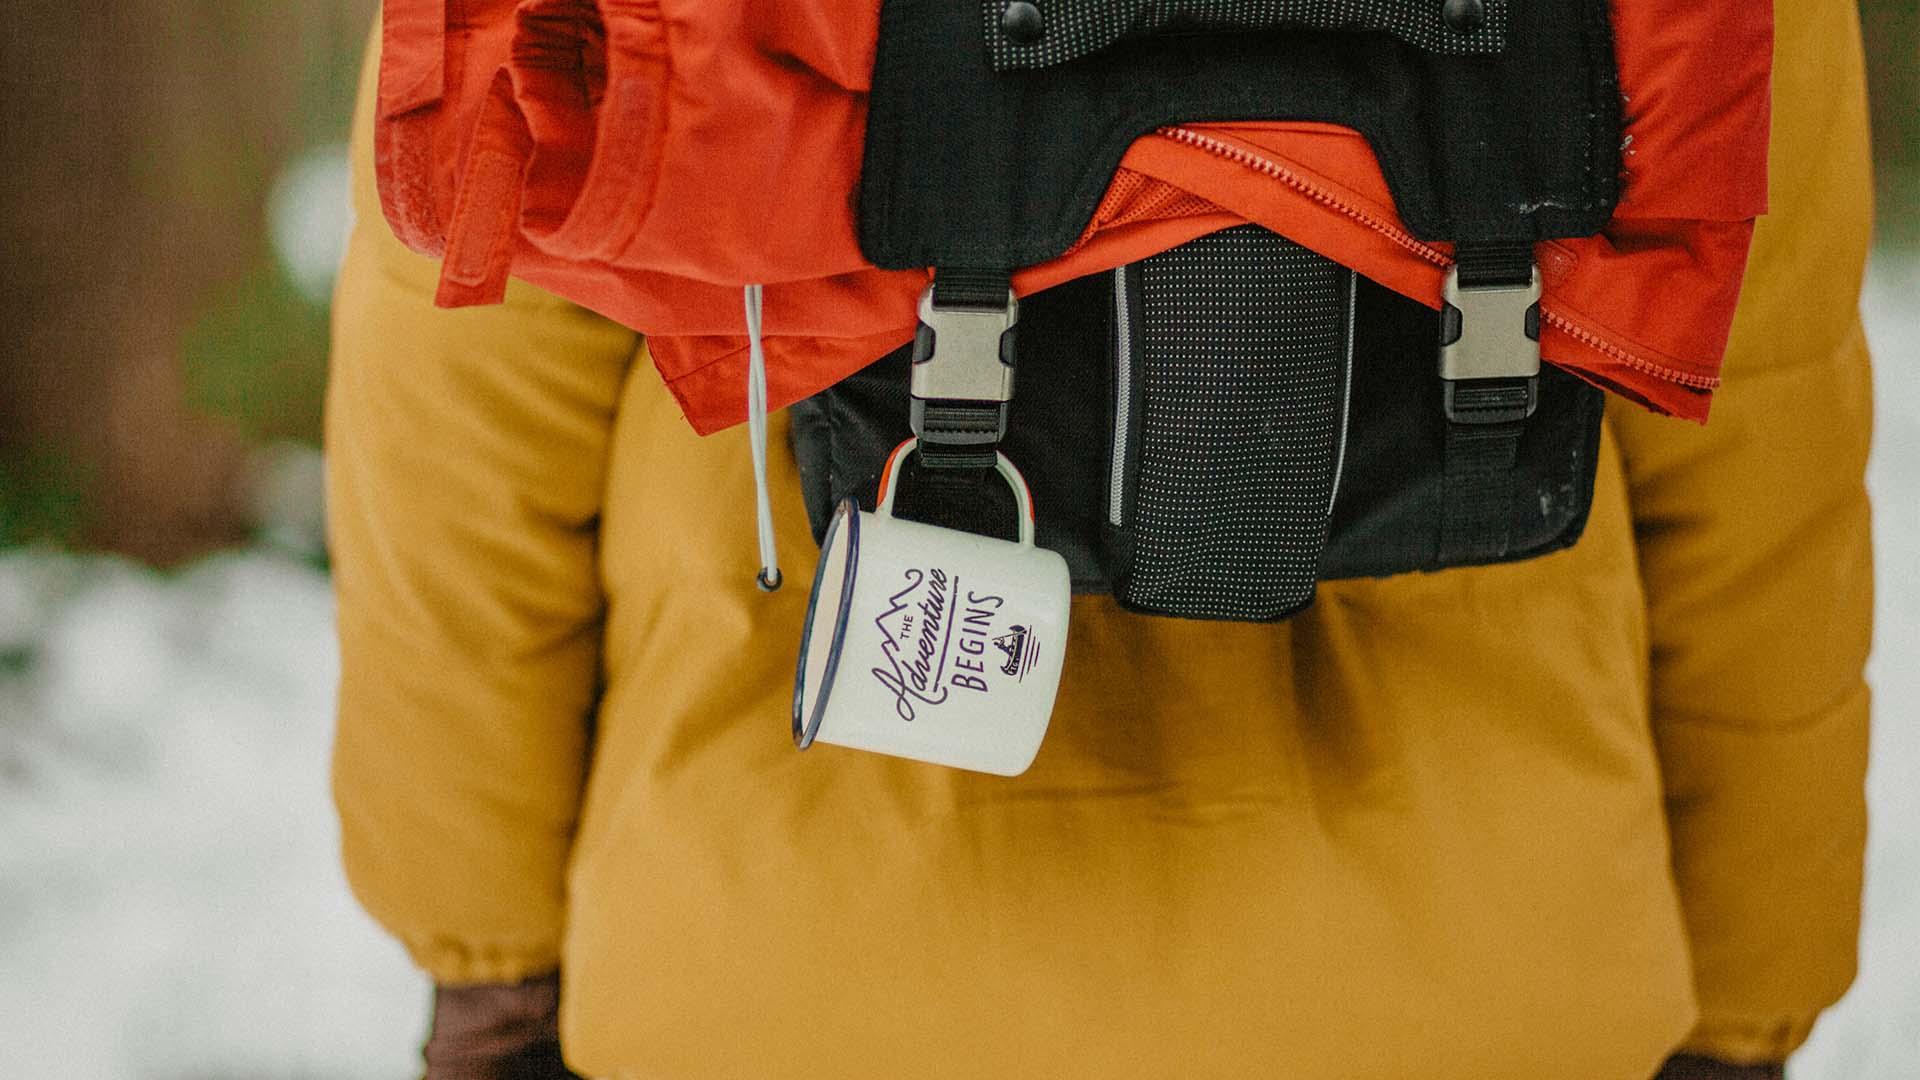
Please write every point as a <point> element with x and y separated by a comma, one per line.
<point>257,355</point>
<point>1892,36</point>
<point>41,499</point>
<point>1897,208</point>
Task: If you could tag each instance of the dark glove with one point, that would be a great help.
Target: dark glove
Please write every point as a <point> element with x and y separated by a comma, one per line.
<point>1689,1067</point>
<point>497,1031</point>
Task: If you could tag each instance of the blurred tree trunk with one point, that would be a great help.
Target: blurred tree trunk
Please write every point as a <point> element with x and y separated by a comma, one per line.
<point>1892,31</point>
<point>139,139</point>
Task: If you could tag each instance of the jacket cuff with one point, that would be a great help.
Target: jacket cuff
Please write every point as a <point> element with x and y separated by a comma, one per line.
<point>1694,1067</point>
<point>1742,1040</point>
<point>457,963</point>
<point>500,1031</point>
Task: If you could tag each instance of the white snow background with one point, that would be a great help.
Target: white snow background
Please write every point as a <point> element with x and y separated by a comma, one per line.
<point>171,907</point>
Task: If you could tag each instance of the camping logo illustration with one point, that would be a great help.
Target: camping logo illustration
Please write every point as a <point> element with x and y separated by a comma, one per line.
<point>1022,648</point>
<point>933,637</point>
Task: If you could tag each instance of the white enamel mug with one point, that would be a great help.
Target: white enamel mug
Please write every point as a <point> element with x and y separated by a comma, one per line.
<point>932,644</point>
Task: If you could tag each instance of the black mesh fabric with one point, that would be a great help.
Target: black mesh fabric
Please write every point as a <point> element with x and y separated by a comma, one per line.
<point>1240,370</point>
<point>1074,28</point>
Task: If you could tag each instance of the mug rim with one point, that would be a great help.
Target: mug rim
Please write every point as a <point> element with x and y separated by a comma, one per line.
<point>806,728</point>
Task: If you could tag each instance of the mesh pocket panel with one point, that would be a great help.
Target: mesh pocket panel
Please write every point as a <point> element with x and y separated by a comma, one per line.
<point>1238,373</point>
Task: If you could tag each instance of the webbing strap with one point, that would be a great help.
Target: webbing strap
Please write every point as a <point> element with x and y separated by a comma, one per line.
<point>1476,492</point>
<point>958,434</point>
<point>1495,263</point>
<point>972,500</point>
<point>970,287</point>
<point>1486,417</point>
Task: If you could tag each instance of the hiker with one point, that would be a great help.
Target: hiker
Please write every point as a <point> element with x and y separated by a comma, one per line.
<point>1593,814</point>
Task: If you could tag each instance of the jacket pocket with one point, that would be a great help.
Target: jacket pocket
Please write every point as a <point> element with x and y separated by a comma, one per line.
<point>1232,360</point>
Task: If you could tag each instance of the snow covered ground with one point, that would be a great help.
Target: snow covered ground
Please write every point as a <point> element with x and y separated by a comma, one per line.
<point>170,904</point>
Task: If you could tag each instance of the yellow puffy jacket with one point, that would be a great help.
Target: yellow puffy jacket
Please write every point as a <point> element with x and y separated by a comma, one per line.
<point>1550,819</point>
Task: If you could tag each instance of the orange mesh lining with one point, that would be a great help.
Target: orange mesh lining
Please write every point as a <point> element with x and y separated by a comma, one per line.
<point>1135,197</point>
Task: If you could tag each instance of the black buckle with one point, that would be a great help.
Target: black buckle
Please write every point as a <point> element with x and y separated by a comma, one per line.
<point>1490,350</point>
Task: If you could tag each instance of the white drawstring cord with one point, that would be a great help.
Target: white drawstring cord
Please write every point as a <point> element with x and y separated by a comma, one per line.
<point>769,576</point>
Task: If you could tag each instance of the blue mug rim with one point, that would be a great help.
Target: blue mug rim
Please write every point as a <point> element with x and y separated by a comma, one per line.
<point>807,727</point>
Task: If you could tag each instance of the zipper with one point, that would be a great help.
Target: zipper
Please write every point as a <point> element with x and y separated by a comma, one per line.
<point>1122,396</point>
<point>1292,179</point>
<point>1402,238</point>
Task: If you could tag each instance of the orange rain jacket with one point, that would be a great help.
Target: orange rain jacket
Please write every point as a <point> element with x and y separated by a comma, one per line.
<point>1553,818</point>
<point>642,159</point>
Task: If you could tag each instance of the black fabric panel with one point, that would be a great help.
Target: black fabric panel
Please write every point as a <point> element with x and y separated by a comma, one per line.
<point>972,167</point>
<point>1058,428</point>
<point>1071,29</point>
<point>1387,517</point>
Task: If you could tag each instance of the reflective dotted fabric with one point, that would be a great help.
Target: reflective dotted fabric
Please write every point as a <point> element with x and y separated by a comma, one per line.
<point>1243,347</point>
<point>1074,28</point>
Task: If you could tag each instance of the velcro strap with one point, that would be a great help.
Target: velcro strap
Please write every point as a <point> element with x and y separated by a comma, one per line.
<point>486,206</point>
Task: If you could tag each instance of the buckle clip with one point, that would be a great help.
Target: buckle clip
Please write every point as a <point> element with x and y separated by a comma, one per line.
<point>962,379</point>
<point>1490,350</point>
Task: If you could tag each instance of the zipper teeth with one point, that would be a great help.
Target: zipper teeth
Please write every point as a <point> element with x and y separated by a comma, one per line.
<point>1308,188</point>
<point>1122,395</point>
<point>1431,254</point>
<point>1592,340</point>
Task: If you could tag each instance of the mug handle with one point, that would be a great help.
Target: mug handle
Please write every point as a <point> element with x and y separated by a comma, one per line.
<point>890,480</point>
